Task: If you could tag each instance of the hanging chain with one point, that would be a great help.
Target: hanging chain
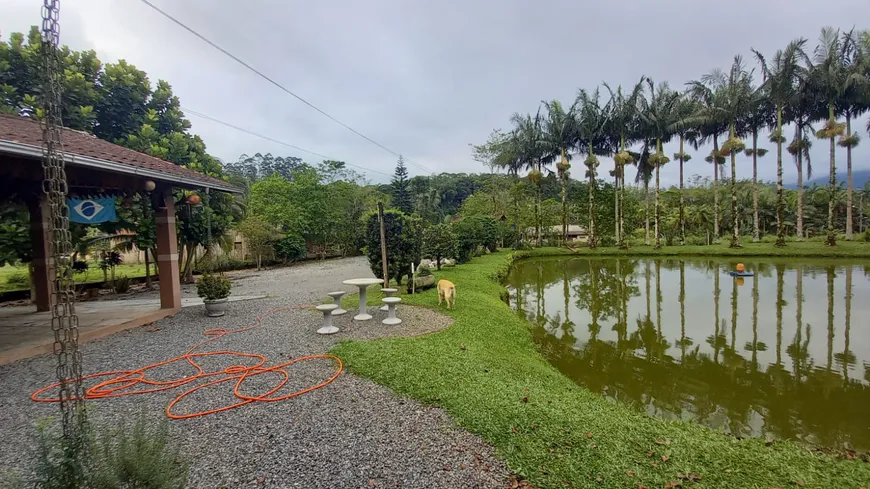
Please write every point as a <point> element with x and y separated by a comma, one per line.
<point>64,321</point>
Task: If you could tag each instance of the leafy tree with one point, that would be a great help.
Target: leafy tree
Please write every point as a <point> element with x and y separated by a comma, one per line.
<point>592,136</point>
<point>290,247</point>
<point>404,235</point>
<point>659,115</point>
<point>440,242</point>
<point>259,236</point>
<point>399,188</point>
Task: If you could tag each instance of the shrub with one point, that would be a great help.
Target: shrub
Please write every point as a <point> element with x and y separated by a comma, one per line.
<point>404,243</point>
<point>290,247</point>
<point>141,457</point>
<point>439,242</point>
<point>19,280</point>
<point>80,266</point>
<point>473,232</point>
<point>867,236</point>
<point>606,241</point>
<point>213,287</point>
<point>122,284</point>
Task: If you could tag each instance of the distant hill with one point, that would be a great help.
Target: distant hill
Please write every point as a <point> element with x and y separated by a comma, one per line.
<point>859,179</point>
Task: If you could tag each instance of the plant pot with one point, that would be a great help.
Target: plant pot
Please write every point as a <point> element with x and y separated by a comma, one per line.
<point>215,308</point>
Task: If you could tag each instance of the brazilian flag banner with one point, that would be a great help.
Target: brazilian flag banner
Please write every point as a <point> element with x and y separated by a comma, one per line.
<point>91,210</point>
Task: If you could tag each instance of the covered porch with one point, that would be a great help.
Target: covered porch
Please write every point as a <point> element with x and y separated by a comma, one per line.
<point>92,166</point>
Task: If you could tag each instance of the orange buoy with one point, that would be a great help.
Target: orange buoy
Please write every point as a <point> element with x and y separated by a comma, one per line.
<point>740,268</point>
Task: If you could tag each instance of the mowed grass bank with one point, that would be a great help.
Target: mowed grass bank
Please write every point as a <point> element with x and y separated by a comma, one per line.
<point>486,371</point>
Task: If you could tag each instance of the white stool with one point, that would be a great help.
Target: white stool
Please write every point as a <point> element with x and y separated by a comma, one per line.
<point>336,297</point>
<point>327,310</point>
<point>391,315</point>
<point>389,293</point>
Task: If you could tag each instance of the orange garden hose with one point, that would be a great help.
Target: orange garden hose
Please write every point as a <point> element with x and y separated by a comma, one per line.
<point>123,382</point>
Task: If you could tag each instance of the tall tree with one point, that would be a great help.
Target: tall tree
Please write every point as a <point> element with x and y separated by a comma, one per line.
<point>759,115</point>
<point>658,115</point>
<point>780,77</point>
<point>730,101</point>
<point>682,127</point>
<point>624,118</point>
<point>830,79</point>
<point>558,134</point>
<point>592,136</point>
<point>527,152</point>
<point>854,102</point>
<point>801,108</point>
<point>399,188</point>
<point>710,124</point>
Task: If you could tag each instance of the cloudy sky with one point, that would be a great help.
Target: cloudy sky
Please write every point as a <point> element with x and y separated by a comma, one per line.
<point>424,79</point>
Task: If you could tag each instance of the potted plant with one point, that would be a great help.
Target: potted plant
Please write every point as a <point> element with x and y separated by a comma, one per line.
<point>214,290</point>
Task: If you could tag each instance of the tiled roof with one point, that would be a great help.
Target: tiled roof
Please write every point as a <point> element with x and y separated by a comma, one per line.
<point>24,131</point>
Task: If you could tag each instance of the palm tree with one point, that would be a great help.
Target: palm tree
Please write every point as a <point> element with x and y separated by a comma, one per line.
<point>657,116</point>
<point>559,132</point>
<point>779,79</point>
<point>528,149</point>
<point>710,126</point>
<point>592,124</point>
<point>623,123</point>
<point>758,116</point>
<point>685,109</point>
<point>855,101</point>
<point>799,111</point>
<point>731,99</point>
<point>830,79</point>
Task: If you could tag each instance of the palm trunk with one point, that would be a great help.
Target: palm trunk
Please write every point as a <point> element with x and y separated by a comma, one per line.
<point>658,206</point>
<point>646,208</point>
<point>735,219</point>
<point>564,208</point>
<point>616,202</point>
<point>800,196</point>
<point>832,184</point>
<point>682,202</point>
<point>592,240</point>
<point>538,211</point>
<point>780,236</point>
<point>848,179</point>
<point>716,188</point>
<point>756,234</point>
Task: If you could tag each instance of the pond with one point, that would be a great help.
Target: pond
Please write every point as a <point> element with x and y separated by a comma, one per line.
<point>784,354</point>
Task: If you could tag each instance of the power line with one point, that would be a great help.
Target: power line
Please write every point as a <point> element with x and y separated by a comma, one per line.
<point>267,138</point>
<point>273,82</point>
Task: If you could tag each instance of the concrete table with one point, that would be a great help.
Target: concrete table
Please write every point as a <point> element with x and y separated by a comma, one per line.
<point>362,283</point>
<point>336,297</point>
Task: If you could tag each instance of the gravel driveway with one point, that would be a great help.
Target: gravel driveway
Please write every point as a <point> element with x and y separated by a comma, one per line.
<point>352,433</point>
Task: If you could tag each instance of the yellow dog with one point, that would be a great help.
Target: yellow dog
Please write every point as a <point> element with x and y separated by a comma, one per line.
<point>446,292</point>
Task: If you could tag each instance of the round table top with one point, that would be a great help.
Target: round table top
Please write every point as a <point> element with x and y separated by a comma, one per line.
<point>363,281</point>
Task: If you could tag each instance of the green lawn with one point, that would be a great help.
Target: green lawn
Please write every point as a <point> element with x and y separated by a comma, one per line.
<point>486,371</point>
<point>93,275</point>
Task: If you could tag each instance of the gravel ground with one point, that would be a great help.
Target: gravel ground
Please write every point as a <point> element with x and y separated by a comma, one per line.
<point>352,433</point>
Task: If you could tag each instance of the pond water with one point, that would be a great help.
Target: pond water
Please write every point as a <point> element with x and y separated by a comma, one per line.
<point>784,354</point>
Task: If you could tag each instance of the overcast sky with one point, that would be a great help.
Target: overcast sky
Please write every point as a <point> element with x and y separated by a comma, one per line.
<point>425,78</point>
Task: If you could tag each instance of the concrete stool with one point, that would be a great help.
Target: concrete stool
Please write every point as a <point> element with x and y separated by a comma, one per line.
<point>327,310</point>
<point>336,297</point>
<point>391,315</point>
<point>389,293</point>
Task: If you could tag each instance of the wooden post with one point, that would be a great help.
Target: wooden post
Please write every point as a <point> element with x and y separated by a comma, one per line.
<point>383,243</point>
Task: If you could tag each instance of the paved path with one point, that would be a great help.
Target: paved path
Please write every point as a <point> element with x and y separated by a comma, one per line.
<point>350,434</point>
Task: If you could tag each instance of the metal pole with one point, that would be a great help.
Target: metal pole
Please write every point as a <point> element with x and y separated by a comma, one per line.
<point>383,243</point>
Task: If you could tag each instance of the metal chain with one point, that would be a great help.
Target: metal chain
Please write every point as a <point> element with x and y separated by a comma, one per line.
<point>64,321</point>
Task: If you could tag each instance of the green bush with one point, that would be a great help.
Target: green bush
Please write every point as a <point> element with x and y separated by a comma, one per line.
<point>291,247</point>
<point>867,236</point>
<point>122,284</point>
<point>439,242</point>
<point>80,266</point>
<point>404,243</point>
<point>474,232</point>
<point>213,287</point>
<point>140,458</point>
<point>20,280</point>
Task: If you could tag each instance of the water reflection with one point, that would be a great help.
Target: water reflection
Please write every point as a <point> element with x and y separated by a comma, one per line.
<point>630,329</point>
